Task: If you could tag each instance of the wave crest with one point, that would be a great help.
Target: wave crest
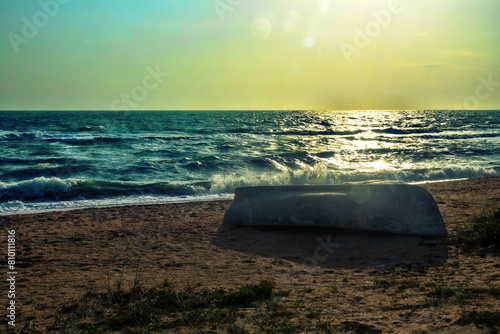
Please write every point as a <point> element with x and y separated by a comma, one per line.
<point>320,175</point>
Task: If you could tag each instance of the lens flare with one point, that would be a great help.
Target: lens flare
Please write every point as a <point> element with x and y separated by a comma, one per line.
<point>261,28</point>
<point>290,23</point>
<point>309,42</point>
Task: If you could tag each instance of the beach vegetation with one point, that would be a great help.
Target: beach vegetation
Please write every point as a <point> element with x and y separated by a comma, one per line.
<point>273,317</point>
<point>255,307</point>
<point>441,292</point>
<point>278,262</point>
<point>466,294</point>
<point>400,282</point>
<point>356,327</point>
<point>28,328</point>
<point>384,283</point>
<point>270,323</point>
<point>324,326</point>
<point>408,284</point>
<point>76,238</point>
<point>313,314</point>
<point>247,294</point>
<point>162,307</point>
<point>482,231</point>
<point>454,264</point>
<point>488,319</point>
<point>460,294</point>
<point>248,261</point>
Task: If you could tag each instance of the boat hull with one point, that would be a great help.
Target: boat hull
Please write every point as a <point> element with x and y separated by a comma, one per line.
<point>380,207</point>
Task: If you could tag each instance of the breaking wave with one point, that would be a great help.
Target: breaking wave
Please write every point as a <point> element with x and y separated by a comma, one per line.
<point>57,189</point>
<point>64,159</point>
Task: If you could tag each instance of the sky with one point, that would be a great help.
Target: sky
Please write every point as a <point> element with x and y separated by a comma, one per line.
<point>249,54</point>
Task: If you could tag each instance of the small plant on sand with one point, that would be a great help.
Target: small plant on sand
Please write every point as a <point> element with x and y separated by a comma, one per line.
<point>159,308</point>
<point>488,319</point>
<point>324,326</point>
<point>28,328</point>
<point>358,328</point>
<point>441,292</point>
<point>278,262</point>
<point>248,261</point>
<point>464,295</point>
<point>273,317</point>
<point>76,238</point>
<point>308,290</point>
<point>384,283</point>
<point>483,232</point>
<point>248,294</point>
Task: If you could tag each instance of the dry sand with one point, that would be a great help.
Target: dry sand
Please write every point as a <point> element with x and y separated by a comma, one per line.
<point>359,277</point>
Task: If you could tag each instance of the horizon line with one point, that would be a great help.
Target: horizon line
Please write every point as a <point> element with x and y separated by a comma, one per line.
<point>209,110</point>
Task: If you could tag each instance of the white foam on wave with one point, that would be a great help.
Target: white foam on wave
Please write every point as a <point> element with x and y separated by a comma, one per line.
<point>41,185</point>
<point>223,186</point>
<point>19,207</point>
<point>321,175</point>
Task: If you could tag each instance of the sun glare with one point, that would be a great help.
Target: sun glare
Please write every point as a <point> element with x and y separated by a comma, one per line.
<point>309,42</point>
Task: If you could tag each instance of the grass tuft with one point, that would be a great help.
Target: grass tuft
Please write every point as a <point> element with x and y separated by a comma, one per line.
<point>358,328</point>
<point>483,232</point>
<point>159,307</point>
<point>442,292</point>
<point>481,318</point>
<point>248,294</point>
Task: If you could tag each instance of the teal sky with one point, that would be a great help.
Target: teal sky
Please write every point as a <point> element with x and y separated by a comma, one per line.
<point>249,54</point>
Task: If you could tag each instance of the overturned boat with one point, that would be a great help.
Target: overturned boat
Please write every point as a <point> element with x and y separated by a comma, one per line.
<point>391,207</point>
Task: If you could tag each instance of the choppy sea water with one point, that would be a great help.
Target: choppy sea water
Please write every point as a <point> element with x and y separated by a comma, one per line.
<point>66,159</point>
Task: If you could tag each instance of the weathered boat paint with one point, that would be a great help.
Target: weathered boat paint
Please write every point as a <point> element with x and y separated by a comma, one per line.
<point>373,206</point>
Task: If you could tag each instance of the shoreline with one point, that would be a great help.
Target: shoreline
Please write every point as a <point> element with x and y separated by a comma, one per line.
<point>222,198</point>
<point>111,206</point>
<point>61,255</point>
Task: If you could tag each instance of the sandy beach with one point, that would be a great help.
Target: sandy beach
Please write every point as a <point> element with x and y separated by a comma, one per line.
<point>61,255</point>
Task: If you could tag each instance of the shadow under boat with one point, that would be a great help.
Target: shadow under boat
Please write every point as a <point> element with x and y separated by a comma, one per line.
<point>335,248</point>
<point>327,212</point>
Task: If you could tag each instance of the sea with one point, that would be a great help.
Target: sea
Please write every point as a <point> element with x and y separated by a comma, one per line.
<point>53,160</point>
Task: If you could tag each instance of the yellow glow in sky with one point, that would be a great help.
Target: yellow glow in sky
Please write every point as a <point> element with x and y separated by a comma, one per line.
<point>273,54</point>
